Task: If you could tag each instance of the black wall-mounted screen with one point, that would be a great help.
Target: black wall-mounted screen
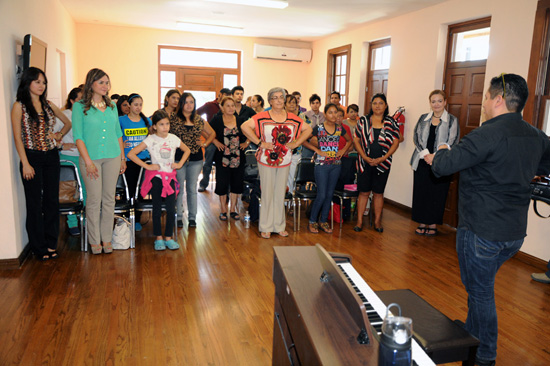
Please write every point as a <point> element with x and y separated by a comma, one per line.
<point>34,53</point>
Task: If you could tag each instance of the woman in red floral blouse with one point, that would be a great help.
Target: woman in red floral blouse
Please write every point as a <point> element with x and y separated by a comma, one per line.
<point>276,133</point>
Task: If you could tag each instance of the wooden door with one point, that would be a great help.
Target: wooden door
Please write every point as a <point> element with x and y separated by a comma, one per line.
<point>377,76</point>
<point>464,83</point>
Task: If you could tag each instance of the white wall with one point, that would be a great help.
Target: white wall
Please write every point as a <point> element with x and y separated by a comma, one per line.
<point>418,50</point>
<point>49,21</point>
<point>131,59</point>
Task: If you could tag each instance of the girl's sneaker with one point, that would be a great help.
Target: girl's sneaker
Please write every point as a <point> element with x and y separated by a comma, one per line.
<point>159,245</point>
<point>171,244</point>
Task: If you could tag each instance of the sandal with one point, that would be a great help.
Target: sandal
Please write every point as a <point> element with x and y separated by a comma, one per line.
<point>431,231</point>
<point>45,257</point>
<point>284,233</point>
<point>265,235</point>
<point>107,248</point>
<point>422,232</point>
<point>325,227</point>
<point>313,227</point>
<point>53,254</point>
<point>223,216</point>
<point>96,248</point>
<point>235,215</point>
<point>159,245</point>
<point>357,229</point>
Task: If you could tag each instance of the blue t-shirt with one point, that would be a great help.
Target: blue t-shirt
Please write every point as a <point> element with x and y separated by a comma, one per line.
<point>133,133</point>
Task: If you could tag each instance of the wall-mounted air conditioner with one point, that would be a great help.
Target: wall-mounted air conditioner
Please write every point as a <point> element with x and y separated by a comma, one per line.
<point>282,53</point>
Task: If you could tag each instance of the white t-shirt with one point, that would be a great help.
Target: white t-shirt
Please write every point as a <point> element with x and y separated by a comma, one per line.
<point>67,138</point>
<point>162,150</point>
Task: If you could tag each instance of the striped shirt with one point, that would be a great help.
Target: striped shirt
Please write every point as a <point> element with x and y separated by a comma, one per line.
<point>364,132</point>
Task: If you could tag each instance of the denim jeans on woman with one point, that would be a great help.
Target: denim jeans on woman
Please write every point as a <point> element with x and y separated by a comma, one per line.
<point>189,173</point>
<point>326,177</point>
<point>479,261</point>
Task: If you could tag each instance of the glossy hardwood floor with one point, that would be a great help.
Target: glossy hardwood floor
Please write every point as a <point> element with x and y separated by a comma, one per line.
<point>211,302</point>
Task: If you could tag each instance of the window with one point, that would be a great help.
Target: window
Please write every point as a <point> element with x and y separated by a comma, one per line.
<point>338,65</point>
<point>202,72</point>
<point>381,58</point>
<point>471,45</point>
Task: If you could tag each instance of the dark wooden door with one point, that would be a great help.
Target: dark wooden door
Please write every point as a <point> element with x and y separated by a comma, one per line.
<point>464,83</point>
<point>377,78</point>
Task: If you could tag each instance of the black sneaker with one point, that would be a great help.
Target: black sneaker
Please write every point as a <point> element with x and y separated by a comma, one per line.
<point>202,189</point>
<point>192,223</point>
<point>180,223</point>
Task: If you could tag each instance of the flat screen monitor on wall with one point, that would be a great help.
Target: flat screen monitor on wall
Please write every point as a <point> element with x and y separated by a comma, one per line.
<point>34,53</point>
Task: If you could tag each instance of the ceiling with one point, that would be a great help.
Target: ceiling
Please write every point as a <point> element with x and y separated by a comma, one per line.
<point>304,20</point>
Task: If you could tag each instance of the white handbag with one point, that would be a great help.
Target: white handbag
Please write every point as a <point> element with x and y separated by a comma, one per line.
<point>122,235</point>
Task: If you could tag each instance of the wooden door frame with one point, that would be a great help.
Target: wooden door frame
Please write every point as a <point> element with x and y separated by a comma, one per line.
<point>462,27</point>
<point>330,69</point>
<point>538,65</point>
<point>372,45</point>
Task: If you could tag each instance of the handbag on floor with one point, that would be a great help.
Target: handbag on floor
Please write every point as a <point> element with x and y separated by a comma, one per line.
<point>67,191</point>
<point>122,235</point>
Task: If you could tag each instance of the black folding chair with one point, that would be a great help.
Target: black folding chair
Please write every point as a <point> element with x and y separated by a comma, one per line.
<point>305,187</point>
<point>69,172</point>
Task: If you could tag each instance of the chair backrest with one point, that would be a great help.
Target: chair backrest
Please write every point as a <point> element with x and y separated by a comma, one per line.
<point>305,172</point>
<point>68,171</point>
<point>141,177</point>
<point>251,165</point>
<point>122,192</point>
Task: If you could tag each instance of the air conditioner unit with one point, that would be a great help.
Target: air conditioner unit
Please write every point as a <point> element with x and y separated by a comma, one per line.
<point>282,53</point>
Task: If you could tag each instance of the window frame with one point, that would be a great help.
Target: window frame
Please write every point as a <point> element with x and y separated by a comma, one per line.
<point>332,55</point>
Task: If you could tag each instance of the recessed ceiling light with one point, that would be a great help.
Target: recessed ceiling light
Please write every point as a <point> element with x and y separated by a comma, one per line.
<point>209,28</point>
<point>276,4</point>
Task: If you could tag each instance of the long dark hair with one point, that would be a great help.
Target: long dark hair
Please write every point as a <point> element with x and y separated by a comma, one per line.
<point>24,94</point>
<point>260,99</point>
<point>169,94</point>
<point>383,97</point>
<point>73,94</point>
<point>119,102</point>
<point>133,96</point>
<point>181,103</point>
<point>93,76</point>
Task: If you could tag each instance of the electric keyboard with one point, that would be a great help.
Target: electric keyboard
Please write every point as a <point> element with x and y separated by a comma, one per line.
<point>376,310</point>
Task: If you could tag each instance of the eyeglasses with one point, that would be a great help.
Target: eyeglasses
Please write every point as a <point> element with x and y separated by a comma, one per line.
<point>503,85</point>
<point>280,97</point>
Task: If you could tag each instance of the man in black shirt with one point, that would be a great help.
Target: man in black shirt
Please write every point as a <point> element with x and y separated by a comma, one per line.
<point>496,161</point>
<point>242,112</point>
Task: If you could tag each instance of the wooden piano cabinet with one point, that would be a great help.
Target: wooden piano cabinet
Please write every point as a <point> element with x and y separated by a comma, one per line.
<point>313,316</point>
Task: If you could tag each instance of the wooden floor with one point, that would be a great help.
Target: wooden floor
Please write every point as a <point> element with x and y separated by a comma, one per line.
<point>211,302</point>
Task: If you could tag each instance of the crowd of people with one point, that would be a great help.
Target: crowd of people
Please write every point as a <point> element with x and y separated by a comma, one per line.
<point>107,136</point>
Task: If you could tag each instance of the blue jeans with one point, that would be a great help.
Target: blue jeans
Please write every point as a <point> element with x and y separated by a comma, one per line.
<point>479,261</point>
<point>207,166</point>
<point>326,177</point>
<point>189,173</point>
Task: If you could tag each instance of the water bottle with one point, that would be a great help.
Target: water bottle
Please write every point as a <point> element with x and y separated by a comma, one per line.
<point>395,341</point>
<point>246,220</point>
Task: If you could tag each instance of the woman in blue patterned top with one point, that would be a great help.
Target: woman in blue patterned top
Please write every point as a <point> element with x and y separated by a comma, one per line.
<point>324,141</point>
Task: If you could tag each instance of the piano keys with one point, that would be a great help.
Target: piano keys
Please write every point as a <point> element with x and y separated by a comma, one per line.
<point>317,322</point>
<point>376,309</point>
